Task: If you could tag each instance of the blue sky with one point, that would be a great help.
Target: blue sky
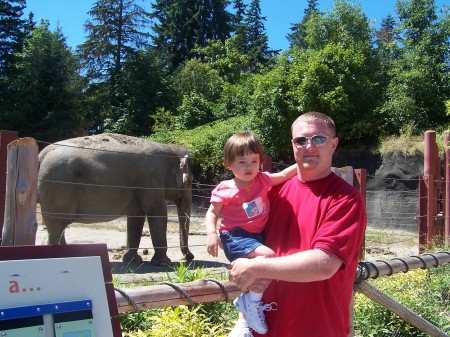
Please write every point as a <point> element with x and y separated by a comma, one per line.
<point>280,14</point>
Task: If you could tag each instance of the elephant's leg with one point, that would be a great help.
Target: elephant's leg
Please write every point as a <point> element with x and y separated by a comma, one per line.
<point>184,204</point>
<point>158,232</point>
<point>134,233</point>
<point>55,228</point>
<point>184,214</point>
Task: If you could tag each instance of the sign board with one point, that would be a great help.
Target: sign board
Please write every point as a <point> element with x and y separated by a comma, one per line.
<point>56,297</point>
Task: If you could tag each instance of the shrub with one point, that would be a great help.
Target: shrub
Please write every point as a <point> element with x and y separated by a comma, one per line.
<point>206,142</point>
<point>205,319</point>
<point>425,292</point>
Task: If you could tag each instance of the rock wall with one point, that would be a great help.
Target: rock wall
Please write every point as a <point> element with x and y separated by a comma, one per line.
<point>392,197</point>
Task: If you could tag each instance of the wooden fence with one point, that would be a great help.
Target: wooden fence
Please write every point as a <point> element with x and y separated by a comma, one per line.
<point>434,194</point>
<point>21,199</point>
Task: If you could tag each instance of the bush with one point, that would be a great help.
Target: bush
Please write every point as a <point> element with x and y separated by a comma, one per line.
<point>205,319</point>
<point>206,143</point>
<point>179,321</point>
<point>425,292</point>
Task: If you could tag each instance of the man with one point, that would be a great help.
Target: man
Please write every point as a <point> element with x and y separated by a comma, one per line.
<point>316,226</point>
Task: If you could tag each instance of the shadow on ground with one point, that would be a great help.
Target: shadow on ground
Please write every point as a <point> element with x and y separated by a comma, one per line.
<point>118,267</point>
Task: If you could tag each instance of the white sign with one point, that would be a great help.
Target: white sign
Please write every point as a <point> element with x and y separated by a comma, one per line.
<point>43,281</point>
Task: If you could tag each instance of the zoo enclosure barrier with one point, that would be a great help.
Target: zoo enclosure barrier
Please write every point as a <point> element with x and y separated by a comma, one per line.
<point>208,289</point>
<point>434,193</point>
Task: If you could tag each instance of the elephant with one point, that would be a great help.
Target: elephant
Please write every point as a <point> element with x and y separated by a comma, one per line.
<point>101,177</point>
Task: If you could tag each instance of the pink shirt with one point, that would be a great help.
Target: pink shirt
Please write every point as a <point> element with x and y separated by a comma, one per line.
<point>247,208</point>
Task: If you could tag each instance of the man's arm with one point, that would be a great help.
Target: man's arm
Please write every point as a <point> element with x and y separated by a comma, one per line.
<point>307,266</point>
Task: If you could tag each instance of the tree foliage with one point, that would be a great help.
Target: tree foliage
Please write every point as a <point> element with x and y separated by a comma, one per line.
<point>201,63</point>
<point>419,76</point>
<point>181,26</point>
<point>47,88</point>
<point>114,33</point>
<point>12,30</point>
<point>258,50</point>
<point>298,33</point>
<point>334,70</point>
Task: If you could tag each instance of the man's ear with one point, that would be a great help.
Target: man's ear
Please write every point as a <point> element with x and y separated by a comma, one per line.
<point>335,143</point>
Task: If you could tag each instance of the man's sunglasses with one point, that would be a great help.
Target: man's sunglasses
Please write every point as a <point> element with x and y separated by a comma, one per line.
<point>316,140</point>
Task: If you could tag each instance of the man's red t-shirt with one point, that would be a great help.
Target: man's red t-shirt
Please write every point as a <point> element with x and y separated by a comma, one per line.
<point>326,214</point>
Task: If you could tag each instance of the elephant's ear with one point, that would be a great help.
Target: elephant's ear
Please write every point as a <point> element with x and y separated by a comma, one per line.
<point>184,166</point>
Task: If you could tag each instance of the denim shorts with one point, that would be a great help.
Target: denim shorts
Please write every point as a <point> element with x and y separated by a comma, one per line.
<point>239,243</point>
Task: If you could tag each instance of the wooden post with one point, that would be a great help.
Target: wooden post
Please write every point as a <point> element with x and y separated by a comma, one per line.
<point>447,188</point>
<point>422,218</point>
<point>6,137</point>
<point>267,164</point>
<point>430,173</point>
<point>360,183</point>
<point>20,223</point>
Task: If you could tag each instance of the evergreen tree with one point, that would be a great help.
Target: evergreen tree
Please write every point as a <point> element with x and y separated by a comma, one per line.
<point>47,89</point>
<point>239,26</point>
<point>180,26</point>
<point>12,29</point>
<point>418,77</point>
<point>387,49</point>
<point>386,34</point>
<point>146,90</point>
<point>220,27</point>
<point>297,37</point>
<point>116,32</point>
<point>258,45</point>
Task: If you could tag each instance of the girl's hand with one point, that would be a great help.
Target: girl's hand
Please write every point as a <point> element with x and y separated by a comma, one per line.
<point>213,244</point>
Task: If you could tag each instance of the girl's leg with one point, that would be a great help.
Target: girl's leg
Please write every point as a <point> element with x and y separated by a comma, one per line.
<point>261,251</point>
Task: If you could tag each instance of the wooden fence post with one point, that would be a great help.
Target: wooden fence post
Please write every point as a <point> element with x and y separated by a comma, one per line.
<point>20,223</point>
<point>429,176</point>
<point>6,137</point>
<point>447,188</point>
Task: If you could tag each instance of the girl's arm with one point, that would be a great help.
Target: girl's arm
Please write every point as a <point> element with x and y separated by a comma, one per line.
<point>211,218</point>
<point>282,176</point>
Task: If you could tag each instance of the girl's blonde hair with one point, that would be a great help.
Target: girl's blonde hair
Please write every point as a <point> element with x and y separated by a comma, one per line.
<point>241,144</point>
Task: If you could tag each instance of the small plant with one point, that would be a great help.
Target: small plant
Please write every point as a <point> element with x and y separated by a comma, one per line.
<point>425,292</point>
<point>179,321</point>
<point>187,273</point>
<point>205,319</point>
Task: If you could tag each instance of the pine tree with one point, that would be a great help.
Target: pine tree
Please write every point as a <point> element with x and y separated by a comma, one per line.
<point>297,37</point>
<point>182,25</point>
<point>47,88</point>
<point>239,26</point>
<point>12,30</point>
<point>115,32</point>
<point>418,75</point>
<point>257,39</point>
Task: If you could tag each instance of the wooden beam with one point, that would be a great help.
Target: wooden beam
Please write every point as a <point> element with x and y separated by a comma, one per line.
<point>163,295</point>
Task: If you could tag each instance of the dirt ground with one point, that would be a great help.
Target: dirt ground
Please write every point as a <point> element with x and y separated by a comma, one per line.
<point>113,234</point>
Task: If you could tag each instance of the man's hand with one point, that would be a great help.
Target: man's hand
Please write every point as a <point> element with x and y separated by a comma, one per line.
<point>242,273</point>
